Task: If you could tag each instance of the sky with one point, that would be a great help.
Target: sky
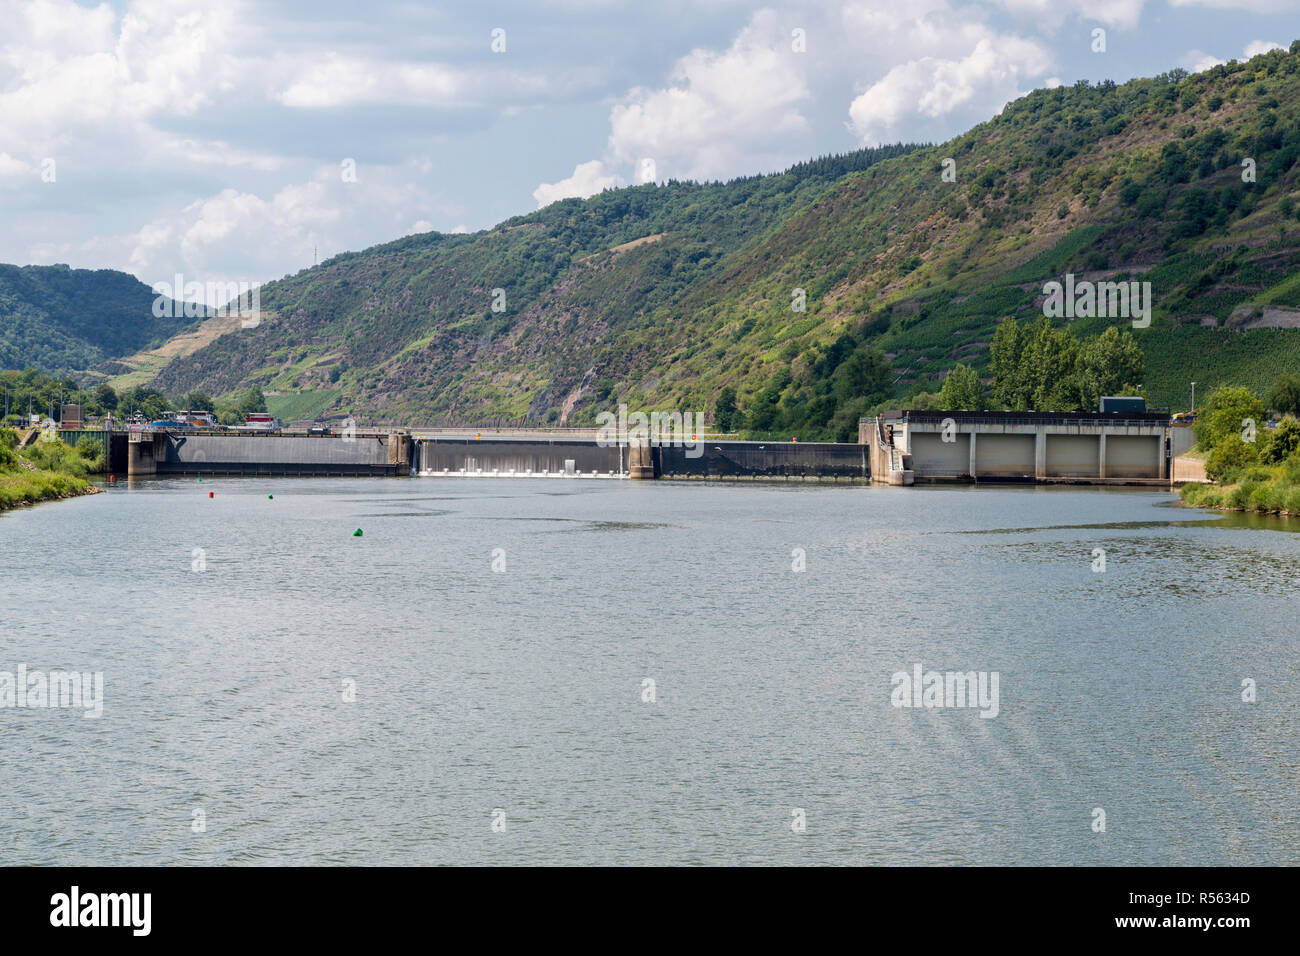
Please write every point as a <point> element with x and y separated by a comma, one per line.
<point>233,141</point>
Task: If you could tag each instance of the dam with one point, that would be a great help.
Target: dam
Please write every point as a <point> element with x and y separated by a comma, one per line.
<point>901,448</point>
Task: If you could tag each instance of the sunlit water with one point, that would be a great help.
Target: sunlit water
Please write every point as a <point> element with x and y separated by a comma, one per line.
<point>522,690</point>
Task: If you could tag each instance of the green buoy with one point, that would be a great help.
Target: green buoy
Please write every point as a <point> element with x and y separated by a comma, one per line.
<point>270,496</point>
<point>357,533</point>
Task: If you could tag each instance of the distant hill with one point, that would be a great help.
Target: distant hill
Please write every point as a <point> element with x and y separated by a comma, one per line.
<point>663,295</point>
<point>59,319</point>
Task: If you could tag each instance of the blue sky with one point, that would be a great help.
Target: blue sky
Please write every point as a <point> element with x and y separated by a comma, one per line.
<point>218,139</point>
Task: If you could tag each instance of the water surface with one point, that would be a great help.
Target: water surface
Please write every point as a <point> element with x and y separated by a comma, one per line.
<point>522,689</point>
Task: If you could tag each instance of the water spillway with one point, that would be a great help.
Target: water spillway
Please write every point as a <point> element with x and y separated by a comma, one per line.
<point>518,458</point>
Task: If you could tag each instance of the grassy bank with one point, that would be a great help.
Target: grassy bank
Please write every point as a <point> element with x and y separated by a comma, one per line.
<point>44,472</point>
<point>1264,489</point>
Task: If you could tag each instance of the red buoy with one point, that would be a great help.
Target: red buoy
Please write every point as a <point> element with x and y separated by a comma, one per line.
<point>209,494</point>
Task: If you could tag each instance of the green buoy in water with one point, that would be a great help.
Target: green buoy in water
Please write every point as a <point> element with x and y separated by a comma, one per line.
<point>357,533</point>
<point>270,496</point>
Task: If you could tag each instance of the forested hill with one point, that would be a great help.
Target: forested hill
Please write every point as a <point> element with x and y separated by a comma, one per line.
<point>57,319</point>
<point>663,296</point>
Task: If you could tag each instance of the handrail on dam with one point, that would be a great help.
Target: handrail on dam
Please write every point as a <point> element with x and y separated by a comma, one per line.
<point>1143,420</point>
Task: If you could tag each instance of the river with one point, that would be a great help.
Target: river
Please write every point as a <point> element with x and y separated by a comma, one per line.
<point>584,671</point>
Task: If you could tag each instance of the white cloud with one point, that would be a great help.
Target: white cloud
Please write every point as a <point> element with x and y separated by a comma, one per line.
<point>1113,13</point>
<point>719,109</point>
<point>345,81</point>
<point>587,180</point>
<point>11,168</point>
<point>1256,47</point>
<point>976,85</point>
<point>1198,61</point>
<point>1251,6</point>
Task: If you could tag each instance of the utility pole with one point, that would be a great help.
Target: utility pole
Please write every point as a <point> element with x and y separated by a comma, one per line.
<point>1193,397</point>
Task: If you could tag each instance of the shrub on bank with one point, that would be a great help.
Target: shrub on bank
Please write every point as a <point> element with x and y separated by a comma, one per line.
<point>56,456</point>
<point>27,487</point>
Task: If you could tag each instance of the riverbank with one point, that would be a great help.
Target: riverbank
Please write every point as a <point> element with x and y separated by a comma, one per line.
<point>45,471</point>
<point>1259,489</point>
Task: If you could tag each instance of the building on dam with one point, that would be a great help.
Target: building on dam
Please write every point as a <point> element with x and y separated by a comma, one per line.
<point>1124,447</point>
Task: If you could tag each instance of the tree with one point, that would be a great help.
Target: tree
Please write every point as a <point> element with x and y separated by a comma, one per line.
<point>1005,352</point>
<point>1281,442</point>
<point>106,397</point>
<point>252,401</point>
<point>1108,364</point>
<point>865,374</point>
<point>1046,372</point>
<point>197,401</point>
<point>1228,456</point>
<point>150,403</point>
<point>1229,411</point>
<point>725,411</point>
<point>1284,396</point>
<point>962,390</point>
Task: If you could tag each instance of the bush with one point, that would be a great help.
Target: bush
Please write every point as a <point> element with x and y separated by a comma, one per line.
<point>1228,457</point>
<point>1267,498</point>
<point>1241,496</point>
<point>1224,412</point>
<point>57,457</point>
<point>1282,442</point>
<point>91,452</point>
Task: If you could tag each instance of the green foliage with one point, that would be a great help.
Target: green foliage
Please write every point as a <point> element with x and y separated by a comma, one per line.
<point>1284,396</point>
<point>1228,412</point>
<point>58,319</point>
<point>962,390</point>
<point>197,401</point>
<point>106,397</point>
<point>144,401</point>
<point>1108,364</point>
<point>1281,442</point>
<point>725,412</point>
<point>56,456</point>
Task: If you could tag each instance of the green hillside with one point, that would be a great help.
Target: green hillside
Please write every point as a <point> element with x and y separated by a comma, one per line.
<point>662,296</point>
<point>58,319</point>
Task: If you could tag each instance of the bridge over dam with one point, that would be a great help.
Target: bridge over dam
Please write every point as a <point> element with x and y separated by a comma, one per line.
<point>896,448</point>
<point>1132,448</point>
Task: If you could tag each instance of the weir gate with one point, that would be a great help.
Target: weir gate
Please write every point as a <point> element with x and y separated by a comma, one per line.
<point>585,458</point>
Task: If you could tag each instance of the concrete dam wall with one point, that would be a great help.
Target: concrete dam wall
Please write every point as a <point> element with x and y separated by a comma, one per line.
<point>579,458</point>
<point>518,458</point>
<point>181,454</point>
<point>758,459</point>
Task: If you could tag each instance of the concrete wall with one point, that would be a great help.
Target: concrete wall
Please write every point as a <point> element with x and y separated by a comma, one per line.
<point>1004,456</point>
<point>275,455</point>
<point>931,455</point>
<point>1189,469</point>
<point>1132,456</point>
<point>466,457</point>
<point>1181,438</point>
<point>1073,456</point>
<point>758,459</point>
